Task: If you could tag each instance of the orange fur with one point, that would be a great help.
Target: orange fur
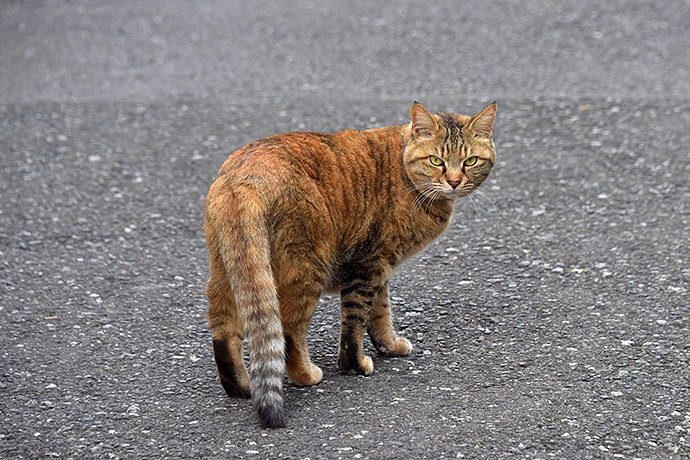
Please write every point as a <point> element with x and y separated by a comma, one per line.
<point>297,214</point>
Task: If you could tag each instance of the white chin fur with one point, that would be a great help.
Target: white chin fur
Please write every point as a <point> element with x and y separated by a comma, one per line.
<point>451,194</point>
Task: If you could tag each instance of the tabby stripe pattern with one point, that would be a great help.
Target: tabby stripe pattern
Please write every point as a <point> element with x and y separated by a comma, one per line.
<point>245,250</point>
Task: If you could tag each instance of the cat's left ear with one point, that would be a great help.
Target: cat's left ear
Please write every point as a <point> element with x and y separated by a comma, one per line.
<point>482,124</point>
<point>423,123</point>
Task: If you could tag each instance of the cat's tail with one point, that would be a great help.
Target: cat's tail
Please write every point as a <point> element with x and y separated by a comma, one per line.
<point>245,250</point>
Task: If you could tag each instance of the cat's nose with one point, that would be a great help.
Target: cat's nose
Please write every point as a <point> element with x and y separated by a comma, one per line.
<point>454,183</point>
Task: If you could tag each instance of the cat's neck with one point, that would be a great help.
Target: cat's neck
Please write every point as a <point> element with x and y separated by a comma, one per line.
<point>423,216</point>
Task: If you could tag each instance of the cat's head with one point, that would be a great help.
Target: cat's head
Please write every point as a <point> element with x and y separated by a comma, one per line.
<point>448,155</point>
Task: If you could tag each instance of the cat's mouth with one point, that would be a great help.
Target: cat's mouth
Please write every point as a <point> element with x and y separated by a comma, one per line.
<point>438,191</point>
<point>451,193</point>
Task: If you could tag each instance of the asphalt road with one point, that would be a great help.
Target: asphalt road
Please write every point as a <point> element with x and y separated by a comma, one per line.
<point>552,320</point>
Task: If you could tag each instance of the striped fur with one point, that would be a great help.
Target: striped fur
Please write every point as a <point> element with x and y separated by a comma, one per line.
<point>297,214</point>
<point>244,249</point>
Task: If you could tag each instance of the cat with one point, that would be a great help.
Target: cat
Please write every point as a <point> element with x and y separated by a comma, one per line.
<point>295,215</point>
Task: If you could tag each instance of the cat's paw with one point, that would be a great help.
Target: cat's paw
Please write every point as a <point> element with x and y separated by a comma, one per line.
<point>236,388</point>
<point>400,347</point>
<point>305,377</point>
<point>367,365</point>
<point>364,367</point>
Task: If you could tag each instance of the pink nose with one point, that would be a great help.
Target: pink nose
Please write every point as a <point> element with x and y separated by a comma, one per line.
<point>454,183</point>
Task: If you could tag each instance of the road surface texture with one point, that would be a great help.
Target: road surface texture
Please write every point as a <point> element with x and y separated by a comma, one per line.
<point>552,320</point>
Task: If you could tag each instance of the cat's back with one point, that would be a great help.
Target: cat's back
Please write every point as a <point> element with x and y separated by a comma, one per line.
<point>273,166</point>
<point>329,185</point>
<point>310,163</point>
<point>300,152</point>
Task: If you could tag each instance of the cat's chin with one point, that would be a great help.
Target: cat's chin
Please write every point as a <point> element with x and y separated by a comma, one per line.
<point>451,194</point>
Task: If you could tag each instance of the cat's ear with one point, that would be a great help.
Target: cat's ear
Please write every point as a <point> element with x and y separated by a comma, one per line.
<point>423,123</point>
<point>482,124</point>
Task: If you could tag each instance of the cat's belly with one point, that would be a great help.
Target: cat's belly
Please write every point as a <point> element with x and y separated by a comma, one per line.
<point>333,287</point>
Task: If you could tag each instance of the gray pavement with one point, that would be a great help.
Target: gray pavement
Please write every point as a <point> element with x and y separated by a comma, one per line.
<point>552,320</point>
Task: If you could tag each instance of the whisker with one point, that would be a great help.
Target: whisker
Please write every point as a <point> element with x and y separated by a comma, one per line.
<point>423,201</point>
<point>416,187</point>
<point>435,194</point>
<point>473,199</point>
<point>484,194</point>
<point>424,195</point>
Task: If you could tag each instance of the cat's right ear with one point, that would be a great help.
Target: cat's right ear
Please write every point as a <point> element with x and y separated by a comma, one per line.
<point>482,124</point>
<point>423,123</point>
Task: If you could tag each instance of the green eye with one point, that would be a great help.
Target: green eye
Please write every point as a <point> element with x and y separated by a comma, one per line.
<point>471,161</point>
<point>436,161</point>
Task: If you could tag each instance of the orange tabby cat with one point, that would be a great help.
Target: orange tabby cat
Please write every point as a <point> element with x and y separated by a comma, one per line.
<point>294,215</point>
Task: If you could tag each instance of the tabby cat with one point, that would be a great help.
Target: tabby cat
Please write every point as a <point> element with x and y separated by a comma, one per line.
<point>295,215</point>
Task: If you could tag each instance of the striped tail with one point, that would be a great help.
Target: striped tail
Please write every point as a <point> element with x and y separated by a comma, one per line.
<point>245,250</point>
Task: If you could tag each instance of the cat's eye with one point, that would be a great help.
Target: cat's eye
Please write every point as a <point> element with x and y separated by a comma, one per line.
<point>436,161</point>
<point>471,161</point>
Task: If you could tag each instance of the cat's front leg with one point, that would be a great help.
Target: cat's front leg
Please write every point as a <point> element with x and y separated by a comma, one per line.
<point>356,301</point>
<point>381,330</point>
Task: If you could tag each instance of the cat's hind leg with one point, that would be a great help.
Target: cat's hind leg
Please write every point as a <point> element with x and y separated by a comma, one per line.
<point>226,332</point>
<point>380,327</point>
<point>298,300</point>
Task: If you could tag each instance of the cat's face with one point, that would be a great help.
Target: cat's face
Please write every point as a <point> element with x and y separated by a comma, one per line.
<point>449,155</point>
